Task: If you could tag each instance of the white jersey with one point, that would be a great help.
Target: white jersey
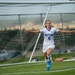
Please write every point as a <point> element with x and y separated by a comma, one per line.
<point>49,35</point>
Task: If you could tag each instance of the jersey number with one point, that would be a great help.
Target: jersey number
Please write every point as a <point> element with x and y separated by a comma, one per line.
<point>49,38</point>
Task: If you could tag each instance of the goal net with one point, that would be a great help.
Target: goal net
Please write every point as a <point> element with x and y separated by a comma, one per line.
<point>19,17</point>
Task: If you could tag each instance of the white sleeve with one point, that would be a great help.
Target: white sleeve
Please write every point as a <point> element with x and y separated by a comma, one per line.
<point>56,30</point>
<point>41,30</point>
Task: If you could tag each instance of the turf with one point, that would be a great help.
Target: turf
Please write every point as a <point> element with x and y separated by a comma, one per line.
<point>58,68</point>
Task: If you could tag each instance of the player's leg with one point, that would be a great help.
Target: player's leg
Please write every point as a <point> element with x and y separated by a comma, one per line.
<point>49,61</point>
<point>45,55</point>
<point>48,58</point>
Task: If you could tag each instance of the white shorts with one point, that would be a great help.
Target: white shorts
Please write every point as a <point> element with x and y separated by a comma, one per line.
<point>47,46</point>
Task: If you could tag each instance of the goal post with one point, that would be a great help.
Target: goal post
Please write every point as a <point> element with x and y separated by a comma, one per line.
<point>38,2</point>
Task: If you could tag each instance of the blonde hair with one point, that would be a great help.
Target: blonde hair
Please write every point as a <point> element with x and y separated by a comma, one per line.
<point>46,22</point>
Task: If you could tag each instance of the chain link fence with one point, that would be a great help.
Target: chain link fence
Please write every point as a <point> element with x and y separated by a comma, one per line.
<point>14,37</point>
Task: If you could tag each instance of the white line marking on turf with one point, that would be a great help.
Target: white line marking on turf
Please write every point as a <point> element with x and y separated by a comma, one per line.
<point>17,73</point>
<point>20,65</point>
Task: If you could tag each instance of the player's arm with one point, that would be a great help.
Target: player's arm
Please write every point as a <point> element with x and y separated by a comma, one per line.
<point>66,31</point>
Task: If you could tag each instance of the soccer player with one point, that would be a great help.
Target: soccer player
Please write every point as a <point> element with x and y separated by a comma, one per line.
<point>48,43</point>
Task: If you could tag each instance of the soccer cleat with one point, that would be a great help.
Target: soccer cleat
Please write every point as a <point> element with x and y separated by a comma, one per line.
<point>48,68</point>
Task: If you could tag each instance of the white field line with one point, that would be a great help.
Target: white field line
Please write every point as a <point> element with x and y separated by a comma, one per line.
<point>25,63</point>
<point>8,67</point>
<point>18,73</point>
<point>20,63</point>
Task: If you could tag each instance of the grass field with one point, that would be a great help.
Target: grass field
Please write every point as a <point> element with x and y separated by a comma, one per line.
<point>58,68</point>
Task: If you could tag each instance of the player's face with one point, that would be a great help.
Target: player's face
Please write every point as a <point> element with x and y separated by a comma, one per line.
<point>48,24</point>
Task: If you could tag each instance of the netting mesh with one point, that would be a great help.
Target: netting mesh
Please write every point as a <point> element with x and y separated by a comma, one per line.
<point>14,37</point>
<point>64,42</point>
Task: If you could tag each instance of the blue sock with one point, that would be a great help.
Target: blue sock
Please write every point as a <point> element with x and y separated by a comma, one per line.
<point>49,63</point>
